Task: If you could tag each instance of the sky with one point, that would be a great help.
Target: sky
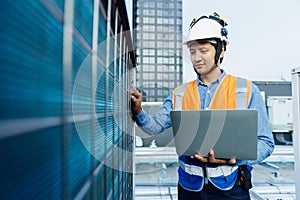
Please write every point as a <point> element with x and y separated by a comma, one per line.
<point>264,36</point>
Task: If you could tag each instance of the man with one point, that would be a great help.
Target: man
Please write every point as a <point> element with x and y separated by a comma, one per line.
<point>211,178</point>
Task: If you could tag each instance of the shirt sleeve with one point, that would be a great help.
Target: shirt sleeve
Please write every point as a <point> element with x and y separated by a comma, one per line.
<point>157,123</point>
<point>265,144</point>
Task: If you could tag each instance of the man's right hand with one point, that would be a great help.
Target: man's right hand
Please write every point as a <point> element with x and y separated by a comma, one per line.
<point>136,101</point>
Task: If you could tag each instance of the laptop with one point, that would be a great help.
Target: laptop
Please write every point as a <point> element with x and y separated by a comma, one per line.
<point>230,133</point>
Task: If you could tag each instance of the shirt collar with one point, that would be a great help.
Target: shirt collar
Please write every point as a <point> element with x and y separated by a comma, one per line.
<point>223,74</point>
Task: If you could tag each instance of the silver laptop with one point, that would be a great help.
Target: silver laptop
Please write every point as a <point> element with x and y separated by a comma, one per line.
<point>230,133</point>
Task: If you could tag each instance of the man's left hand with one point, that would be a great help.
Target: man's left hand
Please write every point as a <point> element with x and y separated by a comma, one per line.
<point>211,159</point>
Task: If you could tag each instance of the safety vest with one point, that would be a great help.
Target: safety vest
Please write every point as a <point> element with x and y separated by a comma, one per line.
<point>232,93</point>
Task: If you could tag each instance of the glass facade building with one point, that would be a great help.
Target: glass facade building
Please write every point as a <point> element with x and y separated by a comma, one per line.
<point>65,128</point>
<point>158,43</point>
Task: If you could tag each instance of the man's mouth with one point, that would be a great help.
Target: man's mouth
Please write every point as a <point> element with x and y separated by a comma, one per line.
<point>199,66</point>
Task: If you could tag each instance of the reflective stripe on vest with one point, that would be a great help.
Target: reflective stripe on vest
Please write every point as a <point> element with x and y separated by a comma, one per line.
<point>179,91</point>
<point>241,93</point>
<point>212,172</point>
<point>224,170</point>
<point>191,169</point>
<point>216,176</point>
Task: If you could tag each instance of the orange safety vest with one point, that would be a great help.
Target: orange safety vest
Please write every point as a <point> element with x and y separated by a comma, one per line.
<point>232,93</point>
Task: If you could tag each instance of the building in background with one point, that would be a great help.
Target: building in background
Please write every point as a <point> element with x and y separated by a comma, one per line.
<point>158,43</point>
<point>65,132</point>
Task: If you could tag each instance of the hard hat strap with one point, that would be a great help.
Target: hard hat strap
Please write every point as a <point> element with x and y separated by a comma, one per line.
<point>218,47</point>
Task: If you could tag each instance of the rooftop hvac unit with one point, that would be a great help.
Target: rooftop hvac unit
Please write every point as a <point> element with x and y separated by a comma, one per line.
<point>280,112</point>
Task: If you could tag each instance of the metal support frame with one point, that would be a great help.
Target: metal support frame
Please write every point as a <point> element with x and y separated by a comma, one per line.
<point>68,21</point>
<point>275,169</point>
<point>296,126</point>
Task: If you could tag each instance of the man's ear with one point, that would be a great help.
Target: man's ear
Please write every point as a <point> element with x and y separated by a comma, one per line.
<point>222,52</point>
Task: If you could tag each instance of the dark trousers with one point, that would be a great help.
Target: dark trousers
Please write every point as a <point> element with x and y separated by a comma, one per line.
<point>210,192</point>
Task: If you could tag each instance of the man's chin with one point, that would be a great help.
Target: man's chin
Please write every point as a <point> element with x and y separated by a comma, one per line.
<point>199,71</point>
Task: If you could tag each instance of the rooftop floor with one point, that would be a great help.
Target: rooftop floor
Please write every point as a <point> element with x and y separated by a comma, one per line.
<point>155,179</point>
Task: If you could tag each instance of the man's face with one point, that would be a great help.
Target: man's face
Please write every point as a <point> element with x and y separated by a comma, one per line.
<point>202,57</point>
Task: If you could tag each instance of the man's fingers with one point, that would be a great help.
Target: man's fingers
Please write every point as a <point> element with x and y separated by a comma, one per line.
<point>232,161</point>
<point>135,93</point>
<point>136,99</point>
<point>211,159</point>
<point>211,155</point>
<point>133,98</point>
<point>202,159</point>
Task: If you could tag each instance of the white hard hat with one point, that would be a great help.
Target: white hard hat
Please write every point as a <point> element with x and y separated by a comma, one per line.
<point>208,27</point>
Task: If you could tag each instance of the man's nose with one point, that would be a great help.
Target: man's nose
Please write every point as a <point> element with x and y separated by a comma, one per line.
<point>198,56</point>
